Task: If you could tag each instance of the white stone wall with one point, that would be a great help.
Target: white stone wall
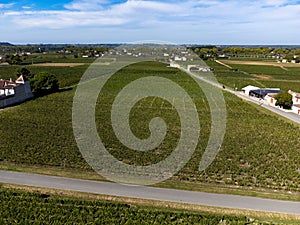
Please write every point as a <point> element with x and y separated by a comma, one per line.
<point>22,93</point>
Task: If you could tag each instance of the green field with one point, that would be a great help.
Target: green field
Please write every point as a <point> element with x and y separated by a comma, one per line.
<point>259,150</point>
<point>20,207</point>
<point>67,76</point>
<point>287,78</point>
<point>54,58</point>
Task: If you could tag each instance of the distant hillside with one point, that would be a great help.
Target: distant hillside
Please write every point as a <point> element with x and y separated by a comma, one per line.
<point>5,44</point>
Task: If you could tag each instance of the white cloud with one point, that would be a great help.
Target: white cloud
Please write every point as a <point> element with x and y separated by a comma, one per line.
<point>83,15</point>
<point>62,19</point>
<point>6,6</point>
<point>86,5</point>
<point>26,7</point>
<point>275,2</point>
<point>172,19</point>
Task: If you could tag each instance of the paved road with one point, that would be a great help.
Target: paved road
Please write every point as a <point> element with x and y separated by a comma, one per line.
<point>151,193</point>
<point>289,115</point>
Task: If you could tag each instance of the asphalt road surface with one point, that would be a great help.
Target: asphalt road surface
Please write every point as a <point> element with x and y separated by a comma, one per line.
<point>161,194</point>
<point>151,193</point>
<point>289,115</point>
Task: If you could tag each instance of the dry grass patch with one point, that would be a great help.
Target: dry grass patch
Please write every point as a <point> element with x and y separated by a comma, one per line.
<point>260,63</point>
<point>262,76</point>
<point>59,64</point>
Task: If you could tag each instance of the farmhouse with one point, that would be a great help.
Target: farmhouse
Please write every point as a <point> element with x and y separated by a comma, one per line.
<point>249,88</point>
<point>174,65</point>
<point>263,92</point>
<point>296,97</point>
<point>268,95</point>
<point>7,88</point>
<point>296,109</point>
<point>178,58</point>
<point>199,68</point>
<point>296,102</point>
<point>270,99</point>
<point>14,92</point>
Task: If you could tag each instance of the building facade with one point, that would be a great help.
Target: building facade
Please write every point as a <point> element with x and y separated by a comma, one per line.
<point>14,92</point>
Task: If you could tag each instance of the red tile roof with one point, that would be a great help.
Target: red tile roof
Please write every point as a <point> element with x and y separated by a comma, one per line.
<point>7,84</point>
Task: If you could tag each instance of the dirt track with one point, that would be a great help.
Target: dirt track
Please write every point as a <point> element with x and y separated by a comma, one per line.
<point>260,63</point>
<point>59,64</point>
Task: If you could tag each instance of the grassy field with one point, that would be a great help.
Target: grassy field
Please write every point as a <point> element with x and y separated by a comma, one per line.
<point>37,58</point>
<point>67,76</point>
<point>30,206</point>
<point>260,151</point>
<point>284,76</point>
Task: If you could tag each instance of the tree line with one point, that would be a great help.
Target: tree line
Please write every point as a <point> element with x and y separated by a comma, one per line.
<point>251,52</point>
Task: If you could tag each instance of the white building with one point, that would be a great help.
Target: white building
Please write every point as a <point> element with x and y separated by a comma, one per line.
<point>174,65</point>
<point>270,99</point>
<point>7,88</point>
<point>199,68</point>
<point>296,102</point>
<point>12,93</point>
<point>296,97</point>
<point>249,88</point>
<point>296,109</point>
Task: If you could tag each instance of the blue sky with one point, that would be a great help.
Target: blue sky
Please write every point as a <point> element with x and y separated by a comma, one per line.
<point>119,21</point>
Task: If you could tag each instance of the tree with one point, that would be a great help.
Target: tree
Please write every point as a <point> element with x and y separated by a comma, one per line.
<point>284,100</point>
<point>15,59</point>
<point>27,75</point>
<point>44,82</point>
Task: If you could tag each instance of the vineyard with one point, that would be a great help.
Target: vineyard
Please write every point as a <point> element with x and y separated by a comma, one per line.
<point>67,76</point>
<point>259,149</point>
<point>19,207</point>
<point>241,75</point>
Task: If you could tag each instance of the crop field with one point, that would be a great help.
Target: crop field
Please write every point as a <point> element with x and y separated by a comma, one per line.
<point>38,58</point>
<point>260,62</point>
<point>259,149</point>
<point>19,207</point>
<point>261,74</point>
<point>67,76</point>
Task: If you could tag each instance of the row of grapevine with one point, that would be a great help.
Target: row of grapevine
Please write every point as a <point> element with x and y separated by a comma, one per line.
<point>258,150</point>
<point>19,207</point>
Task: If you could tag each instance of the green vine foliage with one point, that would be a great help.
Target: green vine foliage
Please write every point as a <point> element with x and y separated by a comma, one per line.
<point>259,149</point>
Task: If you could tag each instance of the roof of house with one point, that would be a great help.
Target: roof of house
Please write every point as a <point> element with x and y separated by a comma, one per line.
<point>265,91</point>
<point>250,87</point>
<point>7,84</point>
<point>272,94</point>
<point>20,80</point>
<point>294,93</point>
